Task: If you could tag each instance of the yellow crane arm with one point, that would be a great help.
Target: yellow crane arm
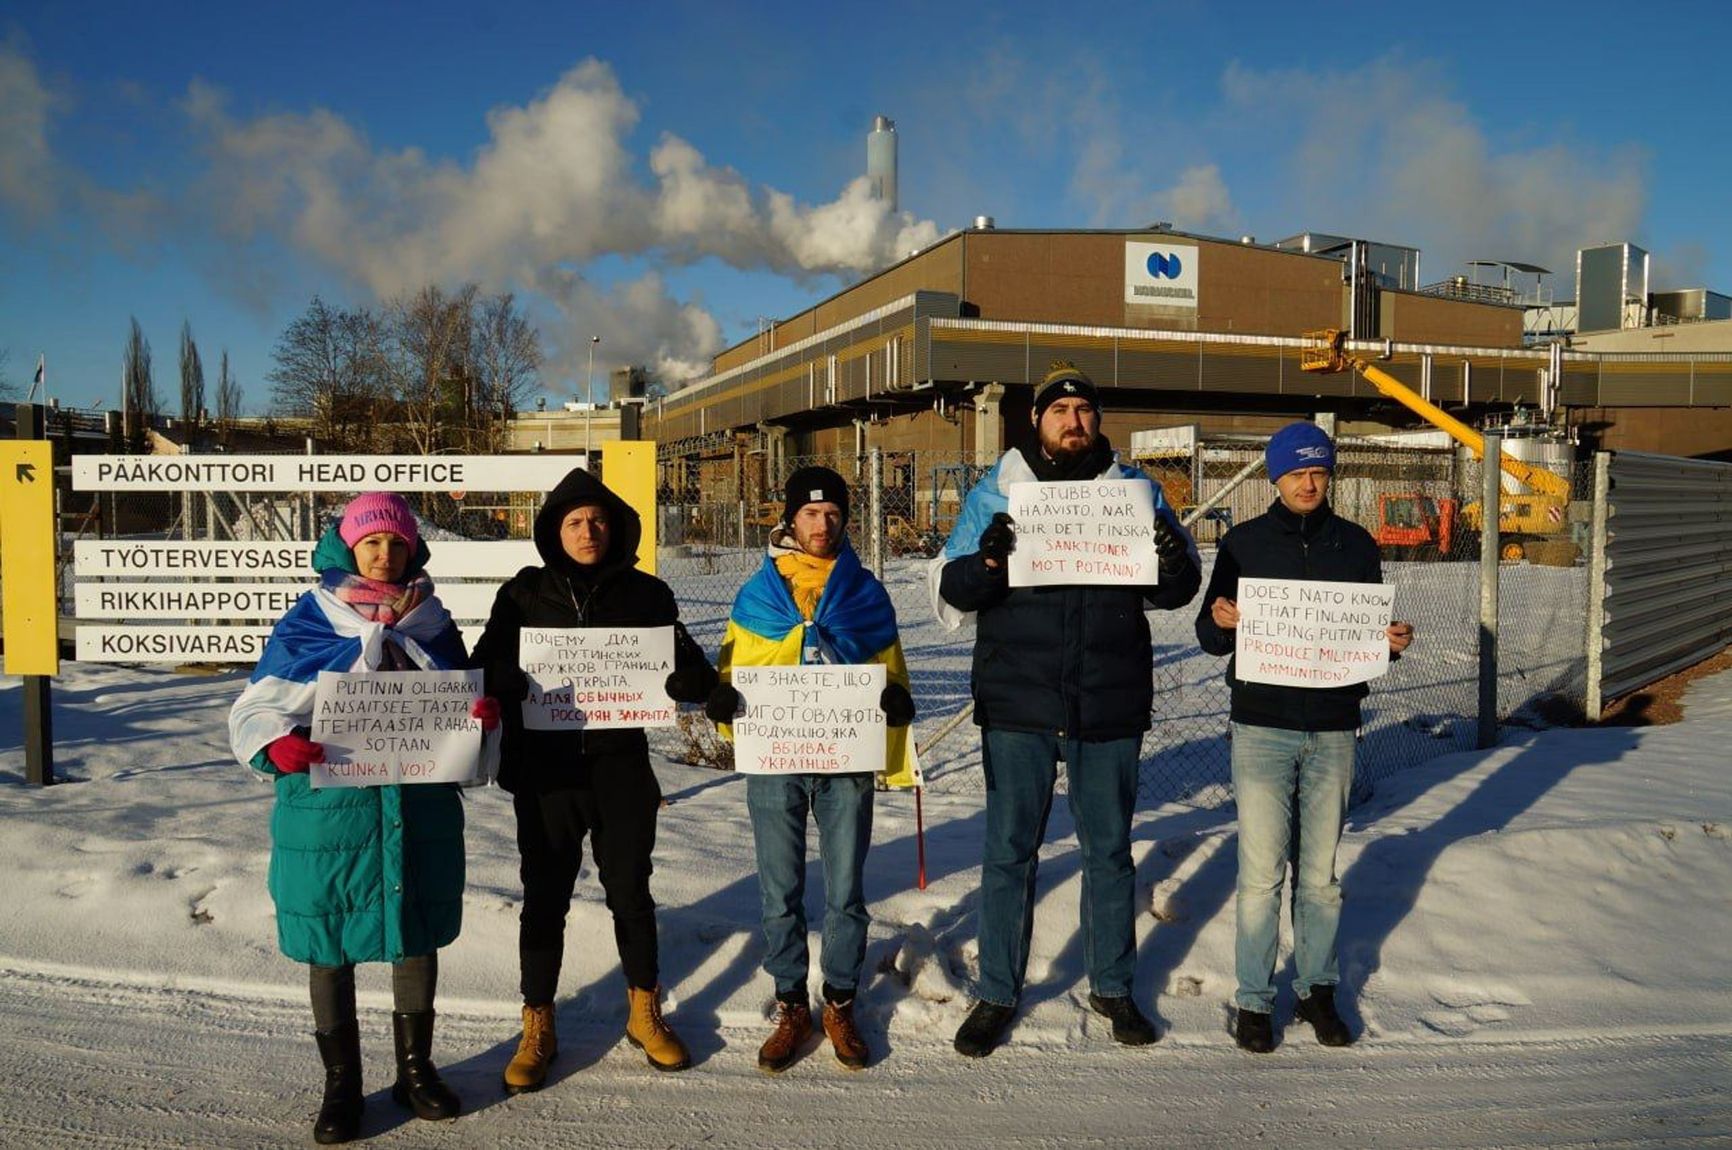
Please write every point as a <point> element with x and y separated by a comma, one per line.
<point>1325,352</point>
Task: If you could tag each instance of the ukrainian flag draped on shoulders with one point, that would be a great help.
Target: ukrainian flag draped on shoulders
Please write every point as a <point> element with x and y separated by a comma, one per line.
<point>854,622</point>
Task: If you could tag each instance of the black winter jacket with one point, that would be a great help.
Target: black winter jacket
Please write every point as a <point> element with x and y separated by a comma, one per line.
<point>1076,662</point>
<point>1280,544</point>
<point>613,593</point>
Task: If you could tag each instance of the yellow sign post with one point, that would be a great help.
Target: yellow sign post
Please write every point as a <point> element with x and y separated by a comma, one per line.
<point>630,472</point>
<point>31,620</point>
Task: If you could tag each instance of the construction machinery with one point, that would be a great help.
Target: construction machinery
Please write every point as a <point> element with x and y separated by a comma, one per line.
<point>1536,522</point>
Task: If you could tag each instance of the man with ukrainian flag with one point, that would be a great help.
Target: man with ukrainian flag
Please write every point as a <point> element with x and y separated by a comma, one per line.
<point>812,602</point>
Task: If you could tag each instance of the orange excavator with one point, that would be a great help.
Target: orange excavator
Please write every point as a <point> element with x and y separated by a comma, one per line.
<point>1413,524</point>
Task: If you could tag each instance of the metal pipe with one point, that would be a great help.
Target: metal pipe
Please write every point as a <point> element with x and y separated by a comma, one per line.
<point>1491,492</point>
<point>1596,642</point>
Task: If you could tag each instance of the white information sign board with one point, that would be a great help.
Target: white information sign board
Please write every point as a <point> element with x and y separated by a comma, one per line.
<point>396,727</point>
<point>812,720</point>
<point>279,560</point>
<point>596,678</point>
<point>1083,531</point>
<point>228,601</point>
<point>1297,633</point>
<point>350,474</point>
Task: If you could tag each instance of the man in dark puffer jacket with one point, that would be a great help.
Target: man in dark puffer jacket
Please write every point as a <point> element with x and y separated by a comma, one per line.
<point>1060,673</point>
<point>1292,746</point>
<point>567,785</point>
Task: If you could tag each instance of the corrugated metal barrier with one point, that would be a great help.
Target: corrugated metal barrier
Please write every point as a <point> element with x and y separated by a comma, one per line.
<point>1660,589</point>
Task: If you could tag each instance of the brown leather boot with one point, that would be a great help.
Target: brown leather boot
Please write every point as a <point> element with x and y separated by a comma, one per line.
<point>793,1024</point>
<point>844,1039</point>
<point>539,1046</point>
<point>647,1030</point>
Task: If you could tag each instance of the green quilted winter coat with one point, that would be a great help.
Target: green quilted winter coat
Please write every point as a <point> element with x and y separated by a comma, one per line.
<point>362,874</point>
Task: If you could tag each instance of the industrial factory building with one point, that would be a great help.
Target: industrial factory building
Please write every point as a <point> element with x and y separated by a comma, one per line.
<point>939,352</point>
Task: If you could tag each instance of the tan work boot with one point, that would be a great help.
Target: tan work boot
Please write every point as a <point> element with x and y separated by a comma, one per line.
<point>844,1039</point>
<point>651,1034</point>
<point>793,1024</point>
<point>540,1046</point>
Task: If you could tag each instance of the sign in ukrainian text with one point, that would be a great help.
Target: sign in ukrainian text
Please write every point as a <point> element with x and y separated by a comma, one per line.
<point>1295,633</point>
<point>594,678</point>
<point>1083,531</point>
<point>396,727</point>
<point>811,720</point>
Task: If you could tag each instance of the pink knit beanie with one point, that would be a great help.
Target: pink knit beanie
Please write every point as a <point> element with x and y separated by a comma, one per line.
<point>378,511</point>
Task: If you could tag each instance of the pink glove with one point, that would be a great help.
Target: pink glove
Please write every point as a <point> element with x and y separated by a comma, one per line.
<point>293,754</point>
<point>486,708</point>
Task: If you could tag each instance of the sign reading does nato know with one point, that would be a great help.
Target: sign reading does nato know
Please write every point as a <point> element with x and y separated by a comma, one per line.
<point>1161,275</point>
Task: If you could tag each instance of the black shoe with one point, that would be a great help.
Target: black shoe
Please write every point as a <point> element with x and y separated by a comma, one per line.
<point>983,1029</point>
<point>339,1117</point>
<point>1255,1032</point>
<point>418,1085</point>
<point>1318,1008</point>
<point>1130,1028</point>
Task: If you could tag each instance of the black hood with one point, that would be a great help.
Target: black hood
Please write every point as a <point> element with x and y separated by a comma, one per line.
<point>579,486</point>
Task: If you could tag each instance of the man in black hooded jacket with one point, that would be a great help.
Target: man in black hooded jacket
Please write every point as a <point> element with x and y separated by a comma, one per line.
<point>567,784</point>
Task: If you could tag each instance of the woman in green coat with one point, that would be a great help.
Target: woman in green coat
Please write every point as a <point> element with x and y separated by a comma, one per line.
<point>360,874</point>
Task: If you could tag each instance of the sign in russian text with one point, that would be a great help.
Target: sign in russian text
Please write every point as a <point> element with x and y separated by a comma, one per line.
<point>1083,531</point>
<point>342,473</point>
<point>810,720</point>
<point>267,560</point>
<point>596,678</point>
<point>396,727</point>
<point>1295,633</point>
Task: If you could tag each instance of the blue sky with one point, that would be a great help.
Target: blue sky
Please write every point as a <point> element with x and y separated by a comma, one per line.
<point>663,175</point>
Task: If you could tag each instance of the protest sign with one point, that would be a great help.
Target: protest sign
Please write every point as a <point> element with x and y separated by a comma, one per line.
<point>1296,633</point>
<point>396,727</point>
<point>595,678</point>
<point>1083,531</point>
<point>820,719</point>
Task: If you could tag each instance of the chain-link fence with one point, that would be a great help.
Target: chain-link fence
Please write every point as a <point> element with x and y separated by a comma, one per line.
<point>1422,505</point>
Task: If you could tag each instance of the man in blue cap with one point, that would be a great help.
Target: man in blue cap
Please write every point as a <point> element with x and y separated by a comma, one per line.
<point>1292,747</point>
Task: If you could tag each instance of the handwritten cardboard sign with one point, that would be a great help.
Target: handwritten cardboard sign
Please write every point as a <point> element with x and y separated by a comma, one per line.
<point>595,678</point>
<point>1083,531</point>
<point>811,720</point>
<point>396,727</point>
<point>1296,633</point>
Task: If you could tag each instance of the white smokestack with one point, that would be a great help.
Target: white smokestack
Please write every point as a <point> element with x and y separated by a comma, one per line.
<point>881,160</point>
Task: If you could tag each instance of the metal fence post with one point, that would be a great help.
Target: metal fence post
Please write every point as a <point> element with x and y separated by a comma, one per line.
<point>1491,488</point>
<point>875,544</point>
<point>1596,644</point>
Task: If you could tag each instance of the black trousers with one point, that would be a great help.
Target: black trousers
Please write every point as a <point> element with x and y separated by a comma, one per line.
<point>617,810</point>
<point>413,984</point>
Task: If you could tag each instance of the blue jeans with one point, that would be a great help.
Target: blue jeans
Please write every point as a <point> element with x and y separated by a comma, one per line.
<point>1288,783</point>
<point>841,805</point>
<point>1021,768</point>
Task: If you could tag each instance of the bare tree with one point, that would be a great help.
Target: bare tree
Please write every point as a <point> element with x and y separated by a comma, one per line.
<point>330,369</point>
<point>138,390</point>
<point>508,358</point>
<point>430,358</point>
<point>228,401</point>
<point>191,378</point>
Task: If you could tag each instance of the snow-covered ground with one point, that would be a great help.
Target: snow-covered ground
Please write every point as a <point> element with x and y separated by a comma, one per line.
<point>1535,948</point>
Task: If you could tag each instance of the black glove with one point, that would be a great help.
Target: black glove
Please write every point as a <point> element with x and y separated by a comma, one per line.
<point>723,704</point>
<point>897,705</point>
<point>507,684</point>
<point>1169,547</point>
<point>691,684</point>
<point>998,540</point>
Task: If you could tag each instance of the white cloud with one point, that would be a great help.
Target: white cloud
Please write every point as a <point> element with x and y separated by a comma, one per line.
<point>28,174</point>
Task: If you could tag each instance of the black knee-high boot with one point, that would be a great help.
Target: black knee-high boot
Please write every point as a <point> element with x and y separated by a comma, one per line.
<point>339,1117</point>
<point>419,1086</point>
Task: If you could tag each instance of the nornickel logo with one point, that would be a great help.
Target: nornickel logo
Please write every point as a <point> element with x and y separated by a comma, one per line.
<point>1165,265</point>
